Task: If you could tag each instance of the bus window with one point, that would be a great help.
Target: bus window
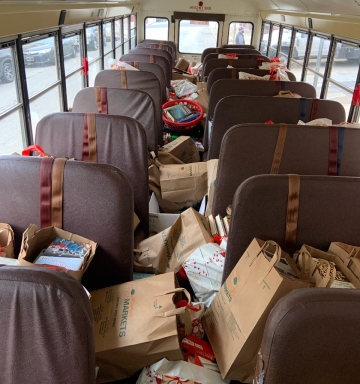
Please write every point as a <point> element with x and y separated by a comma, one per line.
<point>118,39</point>
<point>132,31</point>
<point>298,54</point>
<point>234,30</point>
<point>156,28</point>
<point>274,40</point>
<point>343,75</point>
<point>40,59</point>
<point>11,121</point>
<point>195,36</point>
<point>126,34</point>
<point>285,45</point>
<point>108,37</point>
<point>265,39</point>
<point>319,51</point>
<point>73,66</point>
<point>93,52</point>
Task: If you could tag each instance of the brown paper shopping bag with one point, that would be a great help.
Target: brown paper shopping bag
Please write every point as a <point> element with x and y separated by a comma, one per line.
<point>181,183</point>
<point>6,241</point>
<point>135,325</point>
<point>166,251</point>
<point>235,320</point>
<point>349,255</point>
<point>154,185</point>
<point>183,148</point>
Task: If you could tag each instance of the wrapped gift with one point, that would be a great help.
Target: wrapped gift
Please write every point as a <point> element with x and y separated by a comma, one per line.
<point>204,269</point>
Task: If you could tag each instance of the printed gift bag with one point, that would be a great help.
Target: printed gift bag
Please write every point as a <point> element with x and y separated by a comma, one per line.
<point>178,372</point>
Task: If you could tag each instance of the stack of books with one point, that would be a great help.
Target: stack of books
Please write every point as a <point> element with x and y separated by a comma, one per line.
<point>219,225</point>
<point>64,253</point>
<point>180,113</point>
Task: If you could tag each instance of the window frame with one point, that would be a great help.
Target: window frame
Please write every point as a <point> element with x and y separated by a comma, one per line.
<point>195,53</point>
<point>154,17</point>
<point>241,22</point>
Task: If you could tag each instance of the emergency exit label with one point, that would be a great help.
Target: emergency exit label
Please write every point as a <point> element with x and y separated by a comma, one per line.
<point>199,8</point>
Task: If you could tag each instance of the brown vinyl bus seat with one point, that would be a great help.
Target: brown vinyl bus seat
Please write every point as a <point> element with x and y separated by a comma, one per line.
<point>228,87</point>
<point>311,336</point>
<point>233,110</point>
<point>167,42</point>
<point>326,213</point>
<point>46,328</point>
<point>245,49</point>
<point>166,47</point>
<point>243,55</point>
<point>120,141</point>
<point>139,80</point>
<point>98,203</point>
<point>237,46</point>
<point>233,73</point>
<point>224,63</point>
<point>146,58</point>
<point>248,150</point>
<point>155,52</point>
<point>156,70</point>
<point>124,102</point>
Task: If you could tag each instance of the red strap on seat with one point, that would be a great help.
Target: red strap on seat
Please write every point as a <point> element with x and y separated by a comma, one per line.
<point>333,151</point>
<point>45,191</point>
<point>314,109</point>
<point>85,141</point>
<point>278,86</point>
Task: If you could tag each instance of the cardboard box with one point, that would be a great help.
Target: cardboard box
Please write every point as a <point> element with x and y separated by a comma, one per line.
<point>183,148</point>
<point>235,320</point>
<point>159,221</point>
<point>184,76</point>
<point>33,242</point>
<point>6,241</point>
<point>182,64</point>
<point>135,325</point>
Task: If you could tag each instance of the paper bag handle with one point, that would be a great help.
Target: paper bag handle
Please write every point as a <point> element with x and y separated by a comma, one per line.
<point>276,257</point>
<point>176,311</point>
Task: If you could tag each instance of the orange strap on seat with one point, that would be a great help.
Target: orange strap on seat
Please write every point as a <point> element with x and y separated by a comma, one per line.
<point>279,148</point>
<point>101,99</point>
<point>233,73</point>
<point>136,64</point>
<point>89,148</point>
<point>231,62</point>
<point>123,79</point>
<point>152,59</point>
<point>45,191</point>
<point>57,192</point>
<point>217,50</point>
<point>292,213</point>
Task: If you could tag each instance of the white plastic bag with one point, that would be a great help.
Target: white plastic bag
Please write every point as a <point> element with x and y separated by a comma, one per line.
<point>120,65</point>
<point>322,121</point>
<point>184,87</point>
<point>176,372</point>
<point>250,76</point>
<point>204,269</point>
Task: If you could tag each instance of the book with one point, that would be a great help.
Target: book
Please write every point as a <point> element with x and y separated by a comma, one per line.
<point>213,228</point>
<point>178,112</point>
<point>72,263</point>
<point>66,248</point>
<point>189,118</point>
<point>226,221</point>
<point>220,225</point>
